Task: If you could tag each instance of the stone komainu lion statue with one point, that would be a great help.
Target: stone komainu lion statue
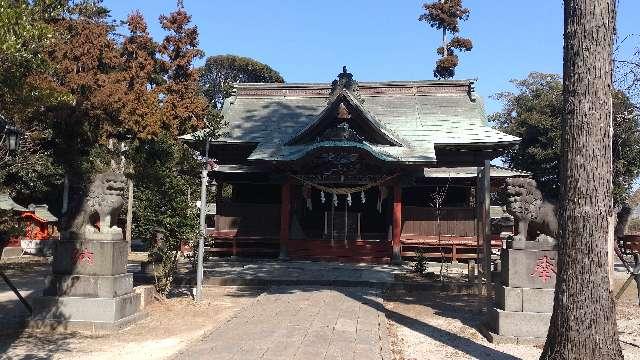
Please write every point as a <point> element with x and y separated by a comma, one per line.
<point>535,215</point>
<point>102,203</point>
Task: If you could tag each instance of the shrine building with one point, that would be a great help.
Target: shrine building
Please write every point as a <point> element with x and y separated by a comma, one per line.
<point>352,171</point>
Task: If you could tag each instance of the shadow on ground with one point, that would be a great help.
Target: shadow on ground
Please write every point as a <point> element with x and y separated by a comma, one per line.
<point>467,308</point>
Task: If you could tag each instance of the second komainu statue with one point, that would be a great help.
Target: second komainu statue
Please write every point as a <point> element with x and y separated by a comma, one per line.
<point>536,216</point>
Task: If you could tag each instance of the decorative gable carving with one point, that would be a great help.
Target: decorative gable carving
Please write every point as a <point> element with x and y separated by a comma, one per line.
<point>344,119</point>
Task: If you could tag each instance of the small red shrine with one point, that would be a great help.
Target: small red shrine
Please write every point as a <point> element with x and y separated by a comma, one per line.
<point>40,227</point>
<point>40,223</point>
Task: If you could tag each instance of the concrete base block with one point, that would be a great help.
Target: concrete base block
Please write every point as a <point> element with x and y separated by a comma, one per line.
<point>521,268</point>
<point>511,340</point>
<point>518,324</point>
<point>147,294</point>
<point>532,245</point>
<point>90,257</point>
<point>74,309</point>
<point>90,286</point>
<point>524,299</point>
<point>537,300</point>
<point>93,327</point>
<point>10,252</point>
<point>508,298</point>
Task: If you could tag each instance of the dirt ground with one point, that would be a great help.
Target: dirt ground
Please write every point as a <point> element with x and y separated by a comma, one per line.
<point>422,325</point>
<point>170,326</point>
<point>428,325</point>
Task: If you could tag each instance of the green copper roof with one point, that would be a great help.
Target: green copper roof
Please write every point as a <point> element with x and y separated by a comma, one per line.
<point>277,152</point>
<point>420,115</point>
<point>6,203</point>
<point>42,212</point>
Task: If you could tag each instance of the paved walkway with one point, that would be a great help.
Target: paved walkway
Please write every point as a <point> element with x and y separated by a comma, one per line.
<point>302,323</point>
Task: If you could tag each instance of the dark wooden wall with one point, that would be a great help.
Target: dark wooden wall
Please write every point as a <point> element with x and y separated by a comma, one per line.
<point>249,219</point>
<point>453,221</point>
<point>264,220</point>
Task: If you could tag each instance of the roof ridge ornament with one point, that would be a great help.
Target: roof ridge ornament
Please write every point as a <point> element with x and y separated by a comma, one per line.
<point>346,82</point>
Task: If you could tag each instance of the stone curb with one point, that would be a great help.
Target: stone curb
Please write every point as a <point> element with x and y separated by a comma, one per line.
<point>484,289</point>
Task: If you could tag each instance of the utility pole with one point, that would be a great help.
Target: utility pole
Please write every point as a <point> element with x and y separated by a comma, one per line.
<point>203,226</point>
<point>129,213</point>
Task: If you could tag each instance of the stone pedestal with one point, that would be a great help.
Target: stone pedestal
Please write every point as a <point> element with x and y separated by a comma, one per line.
<point>524,297</point>
<point>89,288</point>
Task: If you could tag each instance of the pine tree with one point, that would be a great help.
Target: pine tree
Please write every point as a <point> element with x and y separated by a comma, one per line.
<point>445,15</point>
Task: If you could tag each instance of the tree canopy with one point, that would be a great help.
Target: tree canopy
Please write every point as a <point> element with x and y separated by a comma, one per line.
<point>534,111</point>
<point>446,15</point>
<point>26,32</point>
<point>183,106</point>
<point>221,71</point>
<point>627,69</point>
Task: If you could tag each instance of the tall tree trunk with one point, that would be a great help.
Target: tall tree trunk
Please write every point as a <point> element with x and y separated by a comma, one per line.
<point>583,324</point>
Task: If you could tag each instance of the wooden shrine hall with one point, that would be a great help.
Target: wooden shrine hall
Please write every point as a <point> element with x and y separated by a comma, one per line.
<point>356,171</point>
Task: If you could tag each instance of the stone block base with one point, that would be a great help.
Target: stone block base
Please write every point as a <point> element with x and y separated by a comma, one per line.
<point>537,300</point>
<point>85,326</point>
<point>10,252</point>
<point>511,340</point>
<point>90,257</point>
<point>81,309</point>
<point>524,299</point>
<point>518,324</point>
<point>524,268</point>
<point>147,294</point>
<point>91,286</point>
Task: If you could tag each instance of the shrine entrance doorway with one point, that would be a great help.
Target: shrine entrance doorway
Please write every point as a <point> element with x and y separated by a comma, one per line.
<point>362,216</point>
<point>341,217</point>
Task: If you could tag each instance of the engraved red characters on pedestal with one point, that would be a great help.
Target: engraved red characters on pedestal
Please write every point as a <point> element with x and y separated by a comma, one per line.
<point>82,255</point>
<point>545,268</point>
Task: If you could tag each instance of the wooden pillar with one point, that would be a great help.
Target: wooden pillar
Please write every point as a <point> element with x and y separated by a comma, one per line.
<point>396,223</point>
<point>218,201</point>
<point>285,216</point>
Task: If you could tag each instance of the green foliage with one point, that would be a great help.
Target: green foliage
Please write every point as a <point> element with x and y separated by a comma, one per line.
<point>534,111</point>
<point>633,227</point>
<point>69,82</point>
<point>25,34</point>
<point>446,15</point>
<point>626,146</point>
<point>164,172</point>
<point>10,226</point>
<point>220,72</point>
<point>420,262</point>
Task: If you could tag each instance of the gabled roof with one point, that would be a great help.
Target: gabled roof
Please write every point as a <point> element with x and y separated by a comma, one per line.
<point>6,203</point>
<point>345,98</point>
<point>41,212</point>
<point>416,117</point>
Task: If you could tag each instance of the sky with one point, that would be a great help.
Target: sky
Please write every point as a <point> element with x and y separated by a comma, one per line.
<point>310,41</point>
